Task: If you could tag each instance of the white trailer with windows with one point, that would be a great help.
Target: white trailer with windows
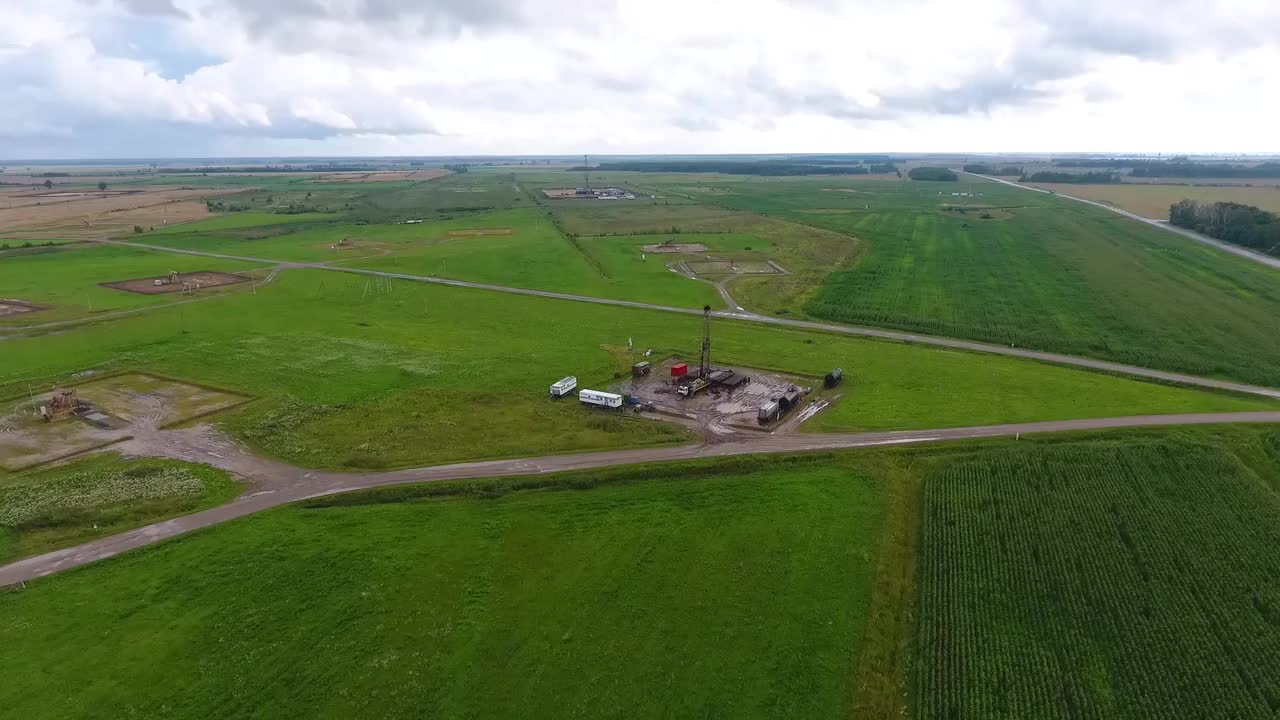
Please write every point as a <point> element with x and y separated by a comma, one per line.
<point>564,386</point>
<point>600,399</point>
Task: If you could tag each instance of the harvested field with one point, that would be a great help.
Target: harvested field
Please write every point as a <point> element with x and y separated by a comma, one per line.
<point>124,400</point>
<point>1153,201</point>
<point>18,307</point>
<point>676,248</point>
<point>90,215</point>
<point>199,280</point>
<point>479,232</point>
<point>387,176</point>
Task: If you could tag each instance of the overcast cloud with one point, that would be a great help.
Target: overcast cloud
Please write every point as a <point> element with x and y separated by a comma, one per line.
<point>185,78</point>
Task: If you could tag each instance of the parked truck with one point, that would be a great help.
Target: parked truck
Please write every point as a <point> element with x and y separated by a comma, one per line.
<point>693,387</point>
<point>564,386</point>
<point>595,398</point>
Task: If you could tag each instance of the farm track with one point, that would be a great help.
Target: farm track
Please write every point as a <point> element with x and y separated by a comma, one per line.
<point>272,483</point>
<point>747,316</point>
<point>1190,234</point>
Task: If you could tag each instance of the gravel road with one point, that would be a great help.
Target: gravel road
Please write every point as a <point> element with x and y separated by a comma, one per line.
<point>272,483</point>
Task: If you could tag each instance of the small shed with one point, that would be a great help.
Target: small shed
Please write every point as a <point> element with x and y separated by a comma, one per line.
<point>834,378</point>
<point>679,370</point>
<point>641,368</point>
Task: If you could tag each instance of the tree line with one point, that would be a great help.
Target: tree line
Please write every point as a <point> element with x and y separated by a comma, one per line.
<point>932,173</point>
<point>1238,224</point>
<point>984,169</point>
<point>1089,178</point>
<point>731,167</point>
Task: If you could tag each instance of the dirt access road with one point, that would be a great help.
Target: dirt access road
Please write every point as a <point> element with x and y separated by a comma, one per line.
<point>1191,234</point>
<point>747,316</point>
<point>272,483</point>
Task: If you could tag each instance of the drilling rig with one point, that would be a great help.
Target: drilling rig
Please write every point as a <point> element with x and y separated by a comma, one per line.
<point>700,383</point>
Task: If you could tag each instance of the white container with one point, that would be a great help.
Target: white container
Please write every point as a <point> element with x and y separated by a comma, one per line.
<point>600,399</point>
<point>564,386</point>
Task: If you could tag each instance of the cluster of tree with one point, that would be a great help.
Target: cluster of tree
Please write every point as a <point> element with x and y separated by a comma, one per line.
<point>457,167</point>
<point>931,173</point>
<point>1206,170</point>
<point>1242,225</point>
<point>739,167</point>
<point>1093,163</point>
<point>984,169</point>
<point>220,206</point>
<point>841,159</point>
<point>1089,178</point>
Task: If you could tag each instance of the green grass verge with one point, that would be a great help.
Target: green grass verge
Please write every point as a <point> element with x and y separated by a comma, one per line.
<point>681,591</point>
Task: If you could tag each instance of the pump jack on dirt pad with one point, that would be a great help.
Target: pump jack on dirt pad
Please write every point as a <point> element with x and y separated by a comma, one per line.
<point>700,383</point>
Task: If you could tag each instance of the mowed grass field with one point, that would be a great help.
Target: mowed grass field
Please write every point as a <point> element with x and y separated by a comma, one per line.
<point>1153,201</point>
<point>406,374</point>
<point>65,279</point>
<point>1117,579</point>
<point>729,590</point>
<point>1056,275</point>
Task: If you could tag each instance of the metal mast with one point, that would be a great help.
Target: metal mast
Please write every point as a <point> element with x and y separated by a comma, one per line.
<point>704,362</point>
<point>586,172</point>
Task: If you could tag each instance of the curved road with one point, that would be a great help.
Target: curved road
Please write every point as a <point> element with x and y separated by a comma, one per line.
<point>1190,234</point>
<point>745,315</point>
<point>274,484</point>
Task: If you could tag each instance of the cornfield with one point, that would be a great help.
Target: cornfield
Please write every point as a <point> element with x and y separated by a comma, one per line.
<point>1138,579</point>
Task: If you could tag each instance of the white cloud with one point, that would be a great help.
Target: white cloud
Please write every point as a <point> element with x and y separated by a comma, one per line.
<point>516,76</point>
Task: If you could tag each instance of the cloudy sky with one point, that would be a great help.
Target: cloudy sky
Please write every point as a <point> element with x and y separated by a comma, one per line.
<point>185,78</point>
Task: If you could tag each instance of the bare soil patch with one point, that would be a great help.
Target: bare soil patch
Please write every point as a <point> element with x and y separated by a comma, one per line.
<point>720,412</point>
<point>82,215</point>
<point>200,280</point>
<point>18,307</point>
<point>475,232</point>
<point>676,248</point>
<point>734,267</point>
<point>113,408</point>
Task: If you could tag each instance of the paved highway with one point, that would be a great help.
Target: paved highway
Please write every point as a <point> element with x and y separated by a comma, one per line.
<point>1193,235</point>
<point>968,345</point>
<point>279,484</point>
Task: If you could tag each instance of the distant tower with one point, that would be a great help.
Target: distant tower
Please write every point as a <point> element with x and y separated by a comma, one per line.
<point>586,172</point>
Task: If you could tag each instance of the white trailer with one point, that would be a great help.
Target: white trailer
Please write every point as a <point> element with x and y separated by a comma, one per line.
<point>564,386</point>
<point>600,399</point>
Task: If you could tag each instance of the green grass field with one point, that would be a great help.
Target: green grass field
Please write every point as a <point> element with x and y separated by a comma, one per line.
<point>1057,275</point>
<point>1129,579</point>
<point>65,280</point>
<point>419,374</point>
<point>678,591</point>
<point>102,495</point>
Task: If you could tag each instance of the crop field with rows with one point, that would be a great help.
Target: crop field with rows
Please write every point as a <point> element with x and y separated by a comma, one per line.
<point>1122,579</point>
<point>1042,272</point>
